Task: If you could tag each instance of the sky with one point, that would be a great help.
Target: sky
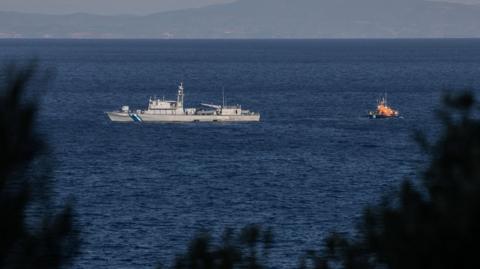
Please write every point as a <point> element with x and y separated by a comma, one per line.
<point>114,7</point>
<point>105,7</point>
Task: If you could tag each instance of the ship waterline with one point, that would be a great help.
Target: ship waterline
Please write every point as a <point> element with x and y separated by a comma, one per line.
<point>161,110</point>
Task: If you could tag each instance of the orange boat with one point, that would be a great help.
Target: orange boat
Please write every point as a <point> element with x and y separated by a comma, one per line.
<point>383,110</point>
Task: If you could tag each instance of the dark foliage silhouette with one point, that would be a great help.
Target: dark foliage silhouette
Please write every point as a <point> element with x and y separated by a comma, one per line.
<point>247,249</point>
<point>434,225</point>
<point>30,235</point>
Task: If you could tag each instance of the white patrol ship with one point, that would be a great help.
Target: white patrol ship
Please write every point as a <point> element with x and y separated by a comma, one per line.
<point>161,110</point>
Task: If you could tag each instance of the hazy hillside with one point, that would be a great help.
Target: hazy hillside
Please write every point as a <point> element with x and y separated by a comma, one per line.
<point>263,19</point>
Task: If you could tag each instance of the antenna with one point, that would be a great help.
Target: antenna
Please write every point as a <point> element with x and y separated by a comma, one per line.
<point>223,96</point>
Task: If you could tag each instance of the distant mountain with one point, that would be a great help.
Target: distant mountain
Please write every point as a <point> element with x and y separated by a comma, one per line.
<point>263,19</point>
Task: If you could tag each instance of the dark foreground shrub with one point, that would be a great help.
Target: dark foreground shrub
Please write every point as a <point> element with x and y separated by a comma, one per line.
<point>31,236</point>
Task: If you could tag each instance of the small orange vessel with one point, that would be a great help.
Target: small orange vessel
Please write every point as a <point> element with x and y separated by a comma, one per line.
<point>383,110</point>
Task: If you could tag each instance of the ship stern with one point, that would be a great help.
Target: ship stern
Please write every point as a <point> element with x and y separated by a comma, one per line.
<point>119,116</point>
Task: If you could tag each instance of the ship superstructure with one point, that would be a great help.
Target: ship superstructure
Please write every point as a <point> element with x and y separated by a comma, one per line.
<point>161,110</point>
<point>383,110</point>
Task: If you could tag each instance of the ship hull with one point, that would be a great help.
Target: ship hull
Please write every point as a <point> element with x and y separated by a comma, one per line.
<point>132,117</point>
<point>382,117</point>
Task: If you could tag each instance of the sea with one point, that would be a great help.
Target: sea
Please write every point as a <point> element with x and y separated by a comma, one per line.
<point>141,191</point>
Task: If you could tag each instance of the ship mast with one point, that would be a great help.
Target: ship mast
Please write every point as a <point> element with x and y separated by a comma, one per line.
<point>180,96</point>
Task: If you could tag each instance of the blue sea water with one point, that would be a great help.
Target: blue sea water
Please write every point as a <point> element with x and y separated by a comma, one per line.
<point>308,168</point>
